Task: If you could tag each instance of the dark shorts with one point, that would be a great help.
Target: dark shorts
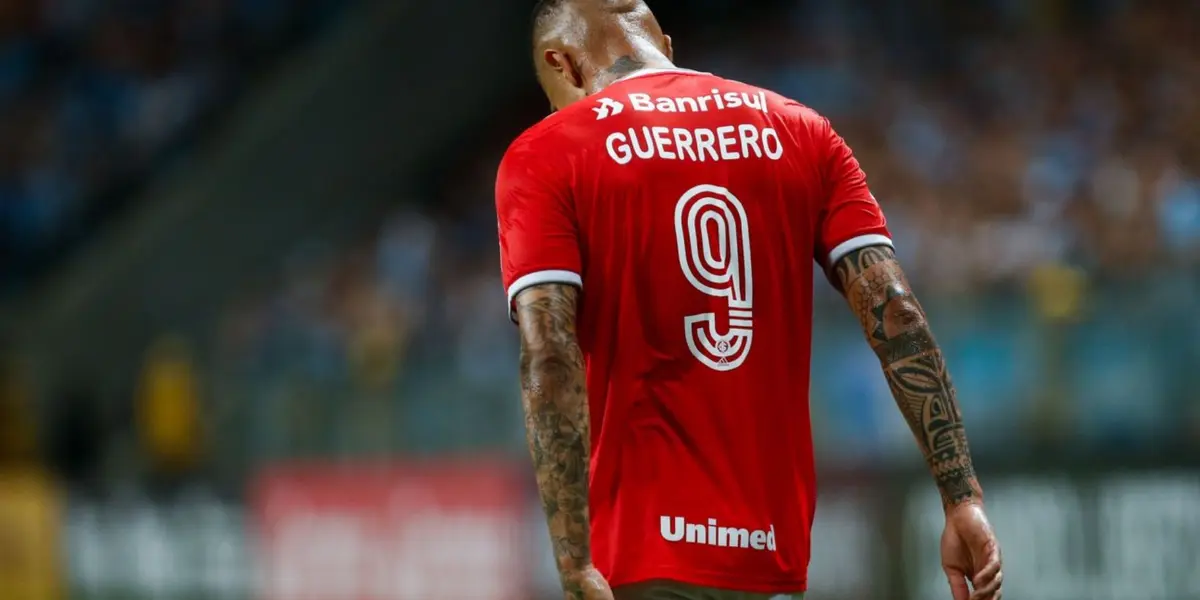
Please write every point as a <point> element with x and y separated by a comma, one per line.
<point>670,590</point>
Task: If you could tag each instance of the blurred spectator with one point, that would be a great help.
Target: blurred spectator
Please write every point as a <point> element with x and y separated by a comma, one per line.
<point>29,536</point>
<point>18,433</point>
<point>27,502</point>
<point>168,408</point>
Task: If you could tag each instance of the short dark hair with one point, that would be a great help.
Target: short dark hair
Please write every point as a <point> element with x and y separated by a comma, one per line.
<point>543,11</point>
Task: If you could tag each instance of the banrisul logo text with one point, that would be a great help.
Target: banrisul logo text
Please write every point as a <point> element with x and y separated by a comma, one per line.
<point>712,533</point>
<point>715,101</point>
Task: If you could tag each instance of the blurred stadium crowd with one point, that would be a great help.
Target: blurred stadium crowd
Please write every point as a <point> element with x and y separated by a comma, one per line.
<point>1019,164</point>
<point>95,94</point>
<point>1039,163</point>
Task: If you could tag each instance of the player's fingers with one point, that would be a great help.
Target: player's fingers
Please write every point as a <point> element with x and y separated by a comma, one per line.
<point>985,574</point>
<point>958,584</point>
<point>990,589</point>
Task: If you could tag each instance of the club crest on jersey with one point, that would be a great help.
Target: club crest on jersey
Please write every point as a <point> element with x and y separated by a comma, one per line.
<point>608,107</point>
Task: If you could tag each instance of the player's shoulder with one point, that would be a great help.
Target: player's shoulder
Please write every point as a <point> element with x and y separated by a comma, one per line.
<point>793,108</point>
<point>789,107</point>
<point>555,139</point>
<point>539,138</point>
<point>541,152</point>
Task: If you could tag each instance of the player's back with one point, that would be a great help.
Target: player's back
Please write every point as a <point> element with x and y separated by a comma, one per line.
<point>700,315</point>
<point>698,205</point>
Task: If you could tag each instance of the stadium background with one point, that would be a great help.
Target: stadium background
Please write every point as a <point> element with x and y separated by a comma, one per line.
<point>254,340</point>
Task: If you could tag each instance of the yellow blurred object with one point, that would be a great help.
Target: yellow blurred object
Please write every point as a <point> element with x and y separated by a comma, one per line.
<point>29,534</point>
<point>17,430</point>
<point>18,439</point>
<point>377,345</point>
<point>1059,291</point>
<point>169,405</point>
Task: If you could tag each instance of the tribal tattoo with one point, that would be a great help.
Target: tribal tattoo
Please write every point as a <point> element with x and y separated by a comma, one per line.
<point>554,395</point>
<point>896,327</point>
<point>626,65</point>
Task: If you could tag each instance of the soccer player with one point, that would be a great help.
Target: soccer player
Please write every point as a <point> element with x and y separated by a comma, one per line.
<point>658,234</point>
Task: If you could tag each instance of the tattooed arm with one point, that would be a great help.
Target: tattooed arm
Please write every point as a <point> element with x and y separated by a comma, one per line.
<point>554,395</point>
<point>896,327</point>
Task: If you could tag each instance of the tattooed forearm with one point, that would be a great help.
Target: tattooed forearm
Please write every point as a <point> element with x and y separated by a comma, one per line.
<point>898,331</point>
<point>554,395</point>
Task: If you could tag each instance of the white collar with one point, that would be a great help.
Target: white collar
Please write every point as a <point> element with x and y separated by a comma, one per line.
<point>644,72</point>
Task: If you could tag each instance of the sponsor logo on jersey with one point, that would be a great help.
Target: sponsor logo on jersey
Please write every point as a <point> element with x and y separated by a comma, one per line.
<point>716,101</point>
<point>679,530</point>
<point>608,107</point>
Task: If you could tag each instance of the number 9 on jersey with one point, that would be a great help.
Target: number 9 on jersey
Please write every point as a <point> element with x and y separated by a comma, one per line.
<point>713,236</point>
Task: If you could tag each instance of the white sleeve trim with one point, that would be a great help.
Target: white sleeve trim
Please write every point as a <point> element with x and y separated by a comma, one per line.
<point>538,278</point>
<point>858,243</point>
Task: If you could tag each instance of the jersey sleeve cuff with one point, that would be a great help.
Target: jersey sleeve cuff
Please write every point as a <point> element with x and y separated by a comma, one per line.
<point>539,278</point>
<point>858,243</point>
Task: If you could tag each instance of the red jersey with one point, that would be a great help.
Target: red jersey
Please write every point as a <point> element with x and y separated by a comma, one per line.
<point>691,210</point>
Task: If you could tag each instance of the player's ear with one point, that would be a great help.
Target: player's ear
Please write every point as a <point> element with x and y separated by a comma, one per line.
<point>668,48</point>
<point>561,64</point>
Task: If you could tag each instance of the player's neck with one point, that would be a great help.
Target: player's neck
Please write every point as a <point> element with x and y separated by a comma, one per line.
<point>633,60</point>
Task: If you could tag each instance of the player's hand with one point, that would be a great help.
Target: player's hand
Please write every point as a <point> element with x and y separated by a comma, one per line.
<point>586,584</point>
<point>970,553</point>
